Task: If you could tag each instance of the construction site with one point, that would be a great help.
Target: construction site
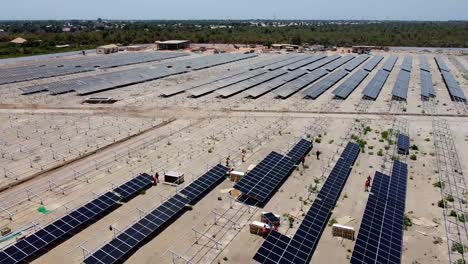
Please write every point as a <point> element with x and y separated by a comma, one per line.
<point>238,157</point>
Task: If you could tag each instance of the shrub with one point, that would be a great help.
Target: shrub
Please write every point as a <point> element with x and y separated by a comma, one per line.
<point>450,198</point>
<point>384,134</point>
<point>442,203</point>
<point>438,184</point>
<point>318,140</point>
<point>458,247</point>
<point>414,147</point>
<point>332,221</point>
<point>407,222</point>
<point>380,152</point>
<point>413,157</point>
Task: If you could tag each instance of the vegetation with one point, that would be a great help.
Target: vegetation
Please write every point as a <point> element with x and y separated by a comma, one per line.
<point>460,248</point>
<point>43,36</point>
<point>407,222</point>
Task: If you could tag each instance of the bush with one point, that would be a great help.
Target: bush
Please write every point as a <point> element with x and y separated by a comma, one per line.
<point>442,203</point>
<point>384,134</point>
<point>413,157</point>
<point>414,147</point>
<point>407,222</point>
<point>458,247</point>
<point>332,222</point>
<point>380,152</point>
<point>438,184</point>
<point>450,198</point>
<point>318,140</point>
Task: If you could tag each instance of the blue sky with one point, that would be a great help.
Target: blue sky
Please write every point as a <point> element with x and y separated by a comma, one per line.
<point>235,9</point>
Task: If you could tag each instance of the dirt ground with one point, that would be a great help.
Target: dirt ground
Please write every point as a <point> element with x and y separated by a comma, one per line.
<point>59,154</point>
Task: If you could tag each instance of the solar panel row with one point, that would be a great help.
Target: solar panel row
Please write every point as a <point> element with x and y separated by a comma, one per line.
<point>261,182</point>
<point>350,66</point>
<point>271,61</point>
<point>372,63</point>
<point>286,62</point>
<point>135,236</point>
<point>373,88</point>
<point>380,235</point>
<point>294,86</point>
<point>305,62</point>
<point>456,93</point>
<point>348,86</point>
<point>299,151</point>
<point>441,64</point>
<point>320,87</point>
<point>390,63</point>
<point>320,63</point>
<point>403,144</point>
<point>407,64</point>
<point>427,88</point>
<point>298,250</point>
<point>424,64</point>
<point>266,87</point>
<point>400,89</point>
<point>134,186</point>
<point>337,63</point>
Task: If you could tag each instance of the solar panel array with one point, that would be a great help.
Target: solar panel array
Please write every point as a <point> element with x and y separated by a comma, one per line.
<point>249,83</point>
<point>89,63</point>
<point>134,186</point>
<point>292,87</point>
<point>427,88</point>
<point>286,62</point>
<point>441,64</point>
<point>271,61</point>
<point>400,89</point>
<point>136,235</point>
<point>320,87</point>
<point>348,86</point>
<point>320,63</point>
<point>299,250</point>
<point>305,62</point>
<point>266,87</point>
<point>456,93</point>
<point>403,144</point>
<point>380,235</point>
<point>36,244</point>
<point>300,150</point>
<point>261,182</point>
<point>372,63</point>
<point>424,64</point>
<point>337,63</point>
<point>407,64</point>
<point>390,63</point>
<point>373,88</point>
<point>350,66</point>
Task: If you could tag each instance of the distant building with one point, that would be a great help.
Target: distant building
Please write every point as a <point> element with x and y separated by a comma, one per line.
<point>107,49</point>
<point>19,41</point>
<point>136,48</point>
<point>173,44</point>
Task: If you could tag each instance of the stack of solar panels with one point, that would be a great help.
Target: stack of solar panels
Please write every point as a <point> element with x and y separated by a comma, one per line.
<point>400,90</point>
<point>138,234</point>
<point>320,63</point>
<point>305,62</point>
<point>249,83</point>
<point>350,66</point>
<point>348,86</point>
<point>337,63</point>
<point>320,87</point>
<point>300,150</point>
<point>286,62</point>
<point>292,87</point>
<point>390,63</point>
<point>278,248</point>
<point>380,235</point>
<point>407,64</point>
<point>372,63</point>
<point>266,87</point>
<point>261,182</point>
<point>373,88</point>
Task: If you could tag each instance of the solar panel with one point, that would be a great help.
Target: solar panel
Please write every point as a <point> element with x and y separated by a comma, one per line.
<point>400,89</point>
<point>373,88</point>
<point>348,86</point>
<point>294,86</point>
<point>441,64</point>
<point>456,93</point>
<point>407,64</point>
<point>266,177</point>
<point>49,236</point>
<point>337,63</point>
<point>134,186</point>
<point>390,63</point>
<point>427,88</point>
<point>403,144</point>
<point>424,64</point>
<point>320,63</point>
<point>266,87</point>
<point>204,183</point>
<point>286,62</point>
<point>272,249</point>
<point>372,63</point>
<point>320,87</point>
<point>272,61</point>
<point>305,62</point>
<point>300,150</point>
<point>350,66</point>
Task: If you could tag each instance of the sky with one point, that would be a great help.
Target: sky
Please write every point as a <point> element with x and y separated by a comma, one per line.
<point>235,9</point>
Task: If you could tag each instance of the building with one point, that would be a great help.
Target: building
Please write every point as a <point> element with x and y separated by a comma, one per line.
<point>107,49</point>
<point>19,41</point>
<point>173,44</point>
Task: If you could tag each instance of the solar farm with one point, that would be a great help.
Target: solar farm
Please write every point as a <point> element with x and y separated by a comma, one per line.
<point>178,157</point>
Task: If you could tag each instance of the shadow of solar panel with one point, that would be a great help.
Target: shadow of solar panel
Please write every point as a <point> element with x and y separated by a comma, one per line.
<point>427,88</point>
<point>350,66</point>
<point>203,184</point>
<point>294,86</point>
<point>261,182</point>
<point>400,89</point>
<point>390,63</point>
<point>441,64</point>
<point>37,243</point>
<point>272,248</point>
<point>320,63</point>
<point>338,63</point>
<point>125,243</point>
<point>348,86</point>
<point>300,150</point>
<point>266,87</point>
<point>372,63</point>
<point>407,64</point>
<point>317,89</point>
<point>373,88</point>
<point>134,186</point>
<point>403,144</point>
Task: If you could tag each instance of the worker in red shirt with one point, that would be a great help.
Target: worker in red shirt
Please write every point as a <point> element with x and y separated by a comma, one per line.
<point>369,179</point>
<point>303,161</point>
<point>156,178</point>
<point>366,185</point>
<point>265,231</point>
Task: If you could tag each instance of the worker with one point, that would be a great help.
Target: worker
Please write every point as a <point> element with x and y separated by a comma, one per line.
<point>303,161</point>
<point>369,179</point>
<point>265,231</point>
<point>156,178</point>
<point>276,226</point>
<point>227,161</point>
<point>318,154</point>
<point>83,52</point>
<point>110,228</point>
<point>243,155</point>
<point>366,185</point>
